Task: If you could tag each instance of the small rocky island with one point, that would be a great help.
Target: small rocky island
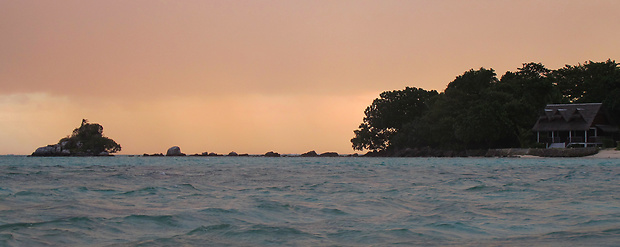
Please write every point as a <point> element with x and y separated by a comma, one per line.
<point>87,140</point>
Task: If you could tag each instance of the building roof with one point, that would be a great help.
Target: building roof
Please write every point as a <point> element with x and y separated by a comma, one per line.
<point>566,117</point>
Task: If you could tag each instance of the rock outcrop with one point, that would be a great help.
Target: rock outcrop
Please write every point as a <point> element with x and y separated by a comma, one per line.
<point>61,149</point>
<point>330,154</point>
<point>563,152</point>
<point>86,140</point>
<point>52,150</point>
<point>153,155</point>
<point>310,154</point>
<point>174,151</point>
<point>272,154</point>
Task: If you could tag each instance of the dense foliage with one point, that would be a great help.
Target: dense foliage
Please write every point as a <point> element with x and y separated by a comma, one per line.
<point>479,111</point>
<point>88,139</point>
<point>591,82</point>
<point>388,115</point>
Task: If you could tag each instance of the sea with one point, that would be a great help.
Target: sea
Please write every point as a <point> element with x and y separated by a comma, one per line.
<point>294,201</point>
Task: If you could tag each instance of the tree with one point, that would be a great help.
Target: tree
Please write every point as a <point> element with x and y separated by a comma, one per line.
<point>88,139</point>
<point>477,111</point>
<point>485,123</point>
<point>388,114</point>
<point>436,128</point>
<point>591,82</point>
<point>472,83</point>
<point>530,89</point>
<point>464,116</point>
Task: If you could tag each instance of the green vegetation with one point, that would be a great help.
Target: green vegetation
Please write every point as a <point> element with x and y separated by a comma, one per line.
<point>88,139</point>
<point>479,111</point>
<point>389,115</point>
<point>590,82</point>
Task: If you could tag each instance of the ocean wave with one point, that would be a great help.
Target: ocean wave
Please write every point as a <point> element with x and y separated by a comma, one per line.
<point>210,229</point>
<point>72,221</point>
<point>219,211</point>
<point>134,201</point>
<point>159,220</point>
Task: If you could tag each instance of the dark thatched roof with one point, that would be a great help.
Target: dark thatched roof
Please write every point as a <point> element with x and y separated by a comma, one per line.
<point>566,117</point>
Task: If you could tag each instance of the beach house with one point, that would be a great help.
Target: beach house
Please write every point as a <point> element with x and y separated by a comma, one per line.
<point>572,125</point>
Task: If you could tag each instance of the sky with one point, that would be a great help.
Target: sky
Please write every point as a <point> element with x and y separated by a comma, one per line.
<point>260,75</point>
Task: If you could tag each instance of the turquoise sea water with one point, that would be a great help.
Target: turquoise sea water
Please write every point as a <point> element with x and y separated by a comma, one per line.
<point>255,201</point>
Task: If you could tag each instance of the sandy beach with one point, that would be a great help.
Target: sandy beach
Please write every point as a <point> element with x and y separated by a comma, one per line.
<point>610,153</point>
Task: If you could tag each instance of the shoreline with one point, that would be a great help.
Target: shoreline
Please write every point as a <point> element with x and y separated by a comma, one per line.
<point>609,153</point>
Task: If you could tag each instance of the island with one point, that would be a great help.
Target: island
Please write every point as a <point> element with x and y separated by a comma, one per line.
<point>86,140</point>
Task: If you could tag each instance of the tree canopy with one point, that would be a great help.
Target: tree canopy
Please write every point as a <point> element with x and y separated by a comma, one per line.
<point>388,114</point>
<point>88,139</point>
<point>479,111</point>
<point>590,82</point>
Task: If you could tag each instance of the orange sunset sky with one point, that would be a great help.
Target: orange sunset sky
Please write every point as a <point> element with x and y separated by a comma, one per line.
<point>255,76</point>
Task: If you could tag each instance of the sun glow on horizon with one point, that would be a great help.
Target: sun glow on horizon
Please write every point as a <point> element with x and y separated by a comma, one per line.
<point>255,125</point>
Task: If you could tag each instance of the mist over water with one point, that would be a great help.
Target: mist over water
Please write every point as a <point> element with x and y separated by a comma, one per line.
<point>257,201</point>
